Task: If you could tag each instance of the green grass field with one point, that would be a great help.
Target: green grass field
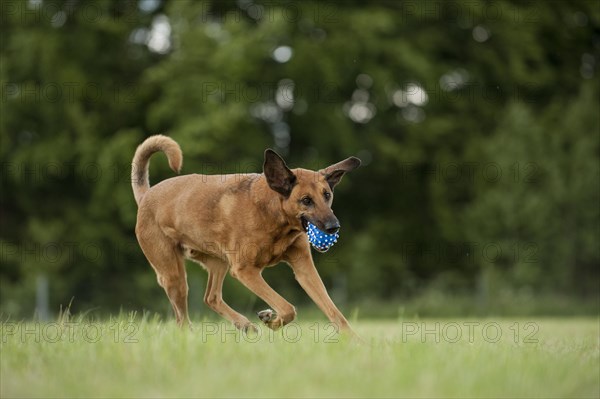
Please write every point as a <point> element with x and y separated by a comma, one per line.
<point>506,357</point>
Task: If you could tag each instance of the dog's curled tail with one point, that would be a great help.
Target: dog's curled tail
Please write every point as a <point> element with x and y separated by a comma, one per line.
<point>139,166</point>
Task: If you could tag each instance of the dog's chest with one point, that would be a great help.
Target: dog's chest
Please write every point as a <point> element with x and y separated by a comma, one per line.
<point>267,249</point>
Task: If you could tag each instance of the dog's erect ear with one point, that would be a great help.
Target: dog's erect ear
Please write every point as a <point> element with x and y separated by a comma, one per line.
<point>334,173</point>
<point>279,177</point>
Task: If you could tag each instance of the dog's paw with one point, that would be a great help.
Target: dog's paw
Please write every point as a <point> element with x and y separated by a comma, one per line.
<point>270,318</point>
<point>266,315</point>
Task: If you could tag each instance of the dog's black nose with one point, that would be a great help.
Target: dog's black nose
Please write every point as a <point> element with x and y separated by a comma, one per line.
<point>332,227</point>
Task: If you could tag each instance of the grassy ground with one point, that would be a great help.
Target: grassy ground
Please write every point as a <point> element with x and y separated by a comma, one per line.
<point>404,358</point>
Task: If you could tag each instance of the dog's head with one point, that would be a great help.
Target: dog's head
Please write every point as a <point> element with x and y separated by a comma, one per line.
<point>307,194</point>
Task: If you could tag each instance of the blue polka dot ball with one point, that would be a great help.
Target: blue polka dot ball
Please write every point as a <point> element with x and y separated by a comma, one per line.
<point>319,240</point>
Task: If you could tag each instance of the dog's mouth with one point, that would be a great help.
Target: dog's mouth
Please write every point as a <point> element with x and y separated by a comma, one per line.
<point>318,239</point>
<point>304,222</point>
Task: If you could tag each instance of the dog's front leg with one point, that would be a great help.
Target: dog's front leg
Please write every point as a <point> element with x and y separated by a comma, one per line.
<point>300,260</point>
<point>252,278</point>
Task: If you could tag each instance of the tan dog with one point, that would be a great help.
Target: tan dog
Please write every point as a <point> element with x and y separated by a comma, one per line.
<point>238,223</point>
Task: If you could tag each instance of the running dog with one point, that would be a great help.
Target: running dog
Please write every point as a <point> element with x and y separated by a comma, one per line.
<point>238,223</point>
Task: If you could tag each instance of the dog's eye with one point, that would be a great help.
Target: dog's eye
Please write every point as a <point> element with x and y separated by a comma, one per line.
<point>327,195</point>
<point>307,201</point>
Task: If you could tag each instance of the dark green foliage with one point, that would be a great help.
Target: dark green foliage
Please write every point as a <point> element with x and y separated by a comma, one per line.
<point>487,186</point>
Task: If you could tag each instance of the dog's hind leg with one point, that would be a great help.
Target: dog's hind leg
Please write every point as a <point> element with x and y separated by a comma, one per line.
<point>176,287</point>
<point>166,258</point>
<point>213,297</point>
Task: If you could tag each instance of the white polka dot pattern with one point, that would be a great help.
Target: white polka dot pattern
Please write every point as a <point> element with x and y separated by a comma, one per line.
<point>319,240</point>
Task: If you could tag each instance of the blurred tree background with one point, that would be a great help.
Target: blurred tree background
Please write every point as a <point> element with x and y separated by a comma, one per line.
<point>477,123</point>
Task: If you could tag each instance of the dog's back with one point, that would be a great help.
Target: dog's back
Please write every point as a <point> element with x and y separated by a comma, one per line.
<point>207,212</point>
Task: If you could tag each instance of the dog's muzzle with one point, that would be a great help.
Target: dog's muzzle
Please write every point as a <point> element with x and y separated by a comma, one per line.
<point>319,240</point>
